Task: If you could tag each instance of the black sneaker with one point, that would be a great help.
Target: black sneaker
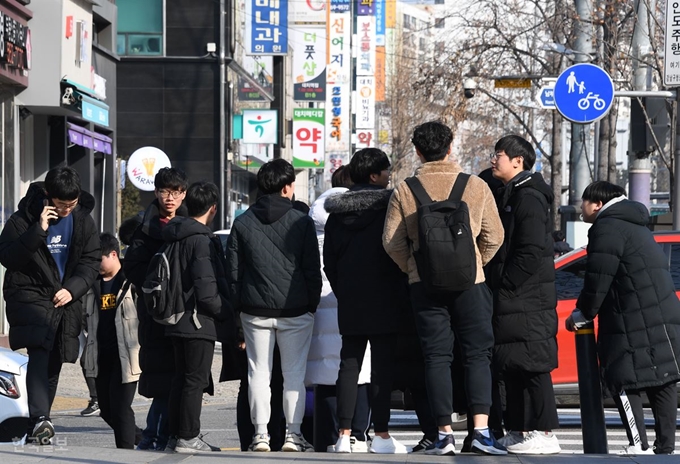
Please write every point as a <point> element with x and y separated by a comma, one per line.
<point>92,409</point>
<point>42,432</point>
<point>194,445</point>
<point>443,447</point>
<point>422,445</point>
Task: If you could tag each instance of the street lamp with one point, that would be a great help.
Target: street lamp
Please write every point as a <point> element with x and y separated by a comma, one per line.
<point>568,52</point>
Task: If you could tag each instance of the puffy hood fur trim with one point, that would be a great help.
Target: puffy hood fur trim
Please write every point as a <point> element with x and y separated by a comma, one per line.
<point>360,200</point>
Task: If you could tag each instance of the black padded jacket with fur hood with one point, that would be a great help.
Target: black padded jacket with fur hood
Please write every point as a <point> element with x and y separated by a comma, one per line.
<point>372,291</point>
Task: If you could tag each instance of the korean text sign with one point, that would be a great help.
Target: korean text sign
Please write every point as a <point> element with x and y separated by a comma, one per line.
<point>266,27</point>
<point>308,138</point>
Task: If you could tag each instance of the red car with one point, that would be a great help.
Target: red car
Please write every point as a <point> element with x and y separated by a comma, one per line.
<point>569,273</point>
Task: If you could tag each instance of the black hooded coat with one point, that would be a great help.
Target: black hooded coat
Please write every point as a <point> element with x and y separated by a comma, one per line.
<point>156,357</point>
<point>628,286</point>
<point>372,291</point>
<point>522,278</point>
<point>32,276</point>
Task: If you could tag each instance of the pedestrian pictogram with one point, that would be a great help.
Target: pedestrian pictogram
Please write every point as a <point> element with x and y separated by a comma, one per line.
<point>584,93</point>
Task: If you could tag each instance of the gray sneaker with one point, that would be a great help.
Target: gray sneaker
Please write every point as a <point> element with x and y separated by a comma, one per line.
<point>295,442</point>
<point>194,445</point>
<point>43,431</point>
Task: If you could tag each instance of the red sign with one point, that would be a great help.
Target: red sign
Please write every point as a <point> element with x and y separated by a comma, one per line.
<point>69,26</point>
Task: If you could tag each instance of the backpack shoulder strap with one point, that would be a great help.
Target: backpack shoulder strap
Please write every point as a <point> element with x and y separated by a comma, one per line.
<point>124,290</point>
<point>418,190</point>
<point>459,187</point>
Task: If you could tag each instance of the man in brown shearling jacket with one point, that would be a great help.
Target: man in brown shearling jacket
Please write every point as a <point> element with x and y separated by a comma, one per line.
<point>467,313</point>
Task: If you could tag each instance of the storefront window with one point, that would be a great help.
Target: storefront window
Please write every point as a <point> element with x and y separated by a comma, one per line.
<point>140,27</point>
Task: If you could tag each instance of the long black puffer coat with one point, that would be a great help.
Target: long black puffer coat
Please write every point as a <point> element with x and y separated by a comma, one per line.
<point>156,357</point>
<point>372,291</point>
<point>522,278</point>
<point>628,286</point>
<point>33,278</point>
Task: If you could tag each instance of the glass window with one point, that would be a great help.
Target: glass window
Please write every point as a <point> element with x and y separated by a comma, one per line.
<point>569,279</point>
<point>140,27</point>
<point>674,262</point>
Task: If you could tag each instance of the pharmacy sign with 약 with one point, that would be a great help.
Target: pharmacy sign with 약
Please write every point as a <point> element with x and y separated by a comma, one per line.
<point>308,138</point>
<point>260,126</point>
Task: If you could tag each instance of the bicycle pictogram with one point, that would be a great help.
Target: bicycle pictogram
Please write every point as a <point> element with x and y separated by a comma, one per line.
<point>598,103</point>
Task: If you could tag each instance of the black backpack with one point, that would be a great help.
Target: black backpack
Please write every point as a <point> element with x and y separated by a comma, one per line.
<point>162,289</point>
<point>446,259</point>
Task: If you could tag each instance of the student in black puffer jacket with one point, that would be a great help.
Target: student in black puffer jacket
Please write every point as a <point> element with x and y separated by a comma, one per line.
<point>194,335</point>
<point>522,278</point>
<point>50,248</point>
<point>629,287</point>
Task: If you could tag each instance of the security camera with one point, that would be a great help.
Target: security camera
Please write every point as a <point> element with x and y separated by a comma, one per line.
<point>469,87</point>
<point>68,98</point>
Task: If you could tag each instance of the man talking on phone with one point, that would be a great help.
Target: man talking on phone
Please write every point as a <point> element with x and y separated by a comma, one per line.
<point>50,248</point>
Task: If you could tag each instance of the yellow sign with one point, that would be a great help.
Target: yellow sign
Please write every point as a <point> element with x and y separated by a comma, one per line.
<point>391,13</point>
<point>512,83</point>
<point>380,74</point>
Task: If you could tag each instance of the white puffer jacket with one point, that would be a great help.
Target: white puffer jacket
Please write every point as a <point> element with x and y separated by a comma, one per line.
<point>323,361</point>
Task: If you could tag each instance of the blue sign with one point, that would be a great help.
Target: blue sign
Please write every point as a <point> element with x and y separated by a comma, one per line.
<point>340,6</point>
<point>584,93</point>
<point>546,97</point>
<point>268,31</point>
<point>380,21</point>
<point>94,111</point>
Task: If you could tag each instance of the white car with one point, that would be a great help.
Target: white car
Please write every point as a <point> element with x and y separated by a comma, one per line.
<point>13,398</point>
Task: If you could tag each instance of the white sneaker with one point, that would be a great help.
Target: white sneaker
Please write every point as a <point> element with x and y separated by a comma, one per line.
<point>387,446</point>
<point>343,444</point>
<point>536,442</point>
<point>635,450</point>
<point>511,438</point>
<point>358,446</point>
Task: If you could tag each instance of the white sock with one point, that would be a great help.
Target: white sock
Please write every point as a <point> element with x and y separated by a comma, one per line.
<point>261,429</point>
<point>443,435</point>
<point>294,428</point>
<point>483,430</point>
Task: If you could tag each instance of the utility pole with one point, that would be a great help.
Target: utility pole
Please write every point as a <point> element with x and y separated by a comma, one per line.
<point>223,119</point>
<point>639,165</point>
<point>579,164</point>
<point>279,103</point>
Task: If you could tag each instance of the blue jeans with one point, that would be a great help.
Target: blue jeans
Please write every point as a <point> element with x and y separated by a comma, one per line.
<point>157,427</point>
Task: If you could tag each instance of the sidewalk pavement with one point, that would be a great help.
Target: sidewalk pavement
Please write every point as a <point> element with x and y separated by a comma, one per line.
<point>53,455</point>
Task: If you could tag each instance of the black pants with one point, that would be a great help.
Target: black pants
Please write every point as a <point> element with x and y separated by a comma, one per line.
<point>115,399</point>
<point>326,423</point>
<point>636,408</point>
<point>277,423</point>
<point>42,378</point>
<point>663,400</point>
<point>382,372</point>
<point>465,316</point>
<point>541,412</point>
<point>193,361</point>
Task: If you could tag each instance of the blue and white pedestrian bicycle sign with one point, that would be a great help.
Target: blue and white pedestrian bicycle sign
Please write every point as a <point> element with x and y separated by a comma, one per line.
<point>584,93</point>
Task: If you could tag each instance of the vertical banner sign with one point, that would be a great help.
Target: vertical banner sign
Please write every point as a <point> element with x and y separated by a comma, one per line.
<point>365,7</point>
<point>366,44</point>
<point>338,82</point>
<point>308,11</point>
<point>259,126</point>
<point>309,64</point>
<point>671,66</point>
<point>339,6</point>
<point>308,138</point>
<point>262,69</point>
<point>390,15</point>
<point>365,111</point>
<point>266,27</point>
<point>380,63</point>
<point>380,22</point>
